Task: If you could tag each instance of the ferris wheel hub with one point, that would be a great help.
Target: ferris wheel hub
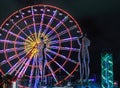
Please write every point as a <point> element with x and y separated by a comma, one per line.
<point>34,44</point>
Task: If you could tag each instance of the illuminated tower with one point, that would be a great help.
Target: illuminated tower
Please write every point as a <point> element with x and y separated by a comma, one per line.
<point>107,70</point>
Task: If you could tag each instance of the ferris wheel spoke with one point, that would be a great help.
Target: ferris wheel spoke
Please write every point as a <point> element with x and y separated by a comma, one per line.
<point>52,72</point>
<point>62,56</point>
<point>29,55</point>
<point>64,48</point>
<point>40,66</point>
<point>22,72</point>
<point>12,49</point>
<point>59,65</point>
<point>32,70</point>
<point>11,42</point>
<point>23,68</point>
<point>20,67</point>
<point>36,72</point>
<point>33,21</point>
<point>64,40</point>
<point>41,22</point>
<point>20,62</point>
<point>20,29</point>
<point>12,58</point>
<point>37,64</point>
<point>63,32</point>
<point>50,21</point>
<point>9,32</point>
<point>23,17</point>
<point>14,67</point>
<point>49,67</point>
<point>32,38</point>
<point>18,55</point>
<point>25,24</point>
<point>58,25</point>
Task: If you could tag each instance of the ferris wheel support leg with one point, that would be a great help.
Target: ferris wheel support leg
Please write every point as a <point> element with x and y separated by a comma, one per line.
<point>87,63</point>
<point>85,58</point>
<point>81,67</point>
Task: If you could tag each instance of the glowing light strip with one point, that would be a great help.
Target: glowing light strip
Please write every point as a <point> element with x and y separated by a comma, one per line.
<point>23,17</point>
<point>50,21</point>
<point>20,66</point>
<point>64,48</point>
<point>13,68</point>
<point>19,54</point>
<point>64,40</point>
<point>31,34</point>
<point>32,70</point>
<point>42,19</point>
<point>24,68</point>
<point>12,58</point>
<point>30,56</point>
<point>12,42</point>
<point>11,49</point>
<point>57,26</point>
<point>37,66</point>
<point>34,22</point>
<point>59,65</point>
<point>18,71</point>
<point>62,32</point>
<point>62,56</point>
<point>20,29</point>
<point>48,65</point>
<point>52,72</point>
<point>40,66</point>
<point>5,30</point>
<point>36,72</point>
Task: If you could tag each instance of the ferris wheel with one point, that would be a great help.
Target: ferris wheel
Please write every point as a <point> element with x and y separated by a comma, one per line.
<point>39,41</point>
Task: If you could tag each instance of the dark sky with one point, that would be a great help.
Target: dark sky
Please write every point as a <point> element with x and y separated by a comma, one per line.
<point>100,19</point>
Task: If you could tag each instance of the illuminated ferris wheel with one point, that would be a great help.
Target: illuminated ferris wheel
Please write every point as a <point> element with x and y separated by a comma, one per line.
<point>39,41</point>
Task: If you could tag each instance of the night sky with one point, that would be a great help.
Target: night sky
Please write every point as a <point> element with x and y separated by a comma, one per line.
<point>99,19</point>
